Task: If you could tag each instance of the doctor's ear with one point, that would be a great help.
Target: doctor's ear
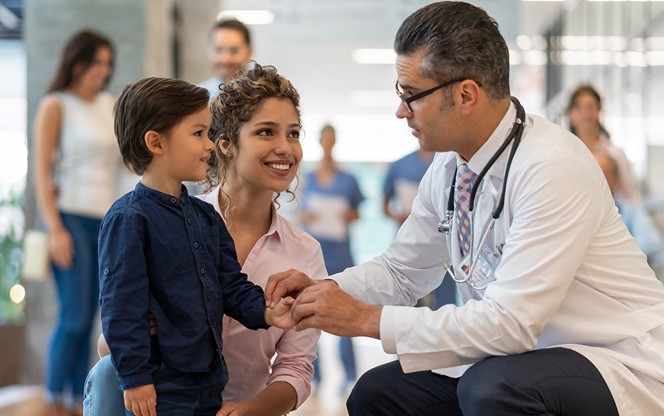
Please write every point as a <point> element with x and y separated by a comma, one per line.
<point>155,142</point>
<point>470,91</point>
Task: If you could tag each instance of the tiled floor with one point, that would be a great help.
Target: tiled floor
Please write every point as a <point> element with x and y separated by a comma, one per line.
<point>328,398</point>
<point>27,401</point>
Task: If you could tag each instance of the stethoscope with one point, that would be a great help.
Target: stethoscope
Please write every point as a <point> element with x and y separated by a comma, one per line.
<point>446,225</point>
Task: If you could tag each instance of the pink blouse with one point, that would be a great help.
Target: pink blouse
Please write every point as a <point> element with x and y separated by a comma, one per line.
<point>248,354</point>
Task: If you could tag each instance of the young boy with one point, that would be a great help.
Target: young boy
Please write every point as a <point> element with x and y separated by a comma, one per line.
<point>165,254</point>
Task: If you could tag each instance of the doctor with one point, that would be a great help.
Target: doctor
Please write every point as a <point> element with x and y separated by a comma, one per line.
<point>562,314</point>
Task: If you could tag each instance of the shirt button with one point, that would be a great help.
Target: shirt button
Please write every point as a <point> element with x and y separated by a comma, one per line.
<point>202,270</point>
<point>189,220</point>
<point>174,200</point>
<point>208,296</point>
<point>106,270</point>
<point>196,244</point>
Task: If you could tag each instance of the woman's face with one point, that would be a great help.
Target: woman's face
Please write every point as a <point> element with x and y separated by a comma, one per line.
<point>268,151</point>
<point>95,76</point>
<point>584,114</point>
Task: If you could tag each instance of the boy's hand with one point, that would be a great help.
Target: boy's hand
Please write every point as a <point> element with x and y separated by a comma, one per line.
<point>282,284</point>
<point>141,400</point>
<point>279,315</point>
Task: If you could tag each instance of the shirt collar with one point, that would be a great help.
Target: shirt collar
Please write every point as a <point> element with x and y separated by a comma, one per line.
<point>161,197</point>
<point>489,148</point>
<point>213,198</point>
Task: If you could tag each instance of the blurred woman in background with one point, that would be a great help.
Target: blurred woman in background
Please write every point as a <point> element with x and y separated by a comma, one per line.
<point>583,112</point>
<point>77,165</point>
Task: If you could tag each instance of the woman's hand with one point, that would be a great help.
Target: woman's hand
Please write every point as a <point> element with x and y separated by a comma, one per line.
<point>61,247</point>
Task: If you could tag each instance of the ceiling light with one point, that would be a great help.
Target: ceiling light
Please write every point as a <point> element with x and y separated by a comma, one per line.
<point>248,17</point>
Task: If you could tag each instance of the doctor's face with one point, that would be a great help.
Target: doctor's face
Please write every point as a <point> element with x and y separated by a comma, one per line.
<point>434,120</point>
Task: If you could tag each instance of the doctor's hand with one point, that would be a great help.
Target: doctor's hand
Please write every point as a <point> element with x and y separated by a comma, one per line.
<point>327,307</point>
<point>290,282</point>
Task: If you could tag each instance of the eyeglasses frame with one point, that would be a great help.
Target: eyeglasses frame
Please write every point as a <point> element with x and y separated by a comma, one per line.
<point>407,100</point>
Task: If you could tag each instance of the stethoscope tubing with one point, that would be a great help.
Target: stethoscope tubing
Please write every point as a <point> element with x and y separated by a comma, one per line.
<point>514,136</point>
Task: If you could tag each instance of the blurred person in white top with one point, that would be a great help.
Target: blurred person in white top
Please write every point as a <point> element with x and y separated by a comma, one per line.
<point>77,171</point>
<point>583,111</point>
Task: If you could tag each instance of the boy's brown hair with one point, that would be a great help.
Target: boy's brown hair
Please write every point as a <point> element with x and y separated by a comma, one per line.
<point>157,104</point>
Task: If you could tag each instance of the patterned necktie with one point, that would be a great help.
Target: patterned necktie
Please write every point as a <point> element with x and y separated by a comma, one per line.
<point>464,181</point>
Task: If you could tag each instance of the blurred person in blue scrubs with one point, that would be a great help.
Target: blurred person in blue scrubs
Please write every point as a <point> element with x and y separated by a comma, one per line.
<point>330,201</point>
<point>399,190</point>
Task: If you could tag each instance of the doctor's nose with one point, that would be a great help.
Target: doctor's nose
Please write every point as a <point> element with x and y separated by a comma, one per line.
<point>402,111</point>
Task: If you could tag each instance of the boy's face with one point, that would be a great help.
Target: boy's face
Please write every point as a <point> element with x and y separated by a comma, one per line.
<point>228,52</point>
<point>188,147</point>
<point>269,149</point>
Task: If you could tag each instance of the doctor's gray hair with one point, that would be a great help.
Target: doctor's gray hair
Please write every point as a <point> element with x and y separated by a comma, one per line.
<point>458,40</point>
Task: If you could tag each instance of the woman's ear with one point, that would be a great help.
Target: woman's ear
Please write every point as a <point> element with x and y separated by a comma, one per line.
<point>226,148</point>
<point>154,142</point>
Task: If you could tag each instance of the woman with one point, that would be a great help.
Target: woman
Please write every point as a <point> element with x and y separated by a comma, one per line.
<point>77,164</point>
<point>330,201</point>
<point>583,112</point>
<point>256,129</point>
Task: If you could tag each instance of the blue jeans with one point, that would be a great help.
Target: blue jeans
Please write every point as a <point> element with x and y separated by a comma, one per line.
<point>178,393</point>
<point>102,391</point>
<point>78,294</point>
<point>551,381</point>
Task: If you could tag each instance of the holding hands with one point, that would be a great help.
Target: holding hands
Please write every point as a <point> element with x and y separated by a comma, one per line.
<point>323,304</point>
<point>279,313</point>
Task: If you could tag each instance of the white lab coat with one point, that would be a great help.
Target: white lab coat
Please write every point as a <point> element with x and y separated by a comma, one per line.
<point>570,274</point>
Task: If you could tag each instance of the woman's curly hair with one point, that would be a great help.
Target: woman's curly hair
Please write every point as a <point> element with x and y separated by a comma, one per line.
<point>236,103</point>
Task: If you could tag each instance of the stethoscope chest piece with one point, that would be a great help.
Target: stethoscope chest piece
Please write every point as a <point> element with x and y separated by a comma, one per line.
<point>446,225</point>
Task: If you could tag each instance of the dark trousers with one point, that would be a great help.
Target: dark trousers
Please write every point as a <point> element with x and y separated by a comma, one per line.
<point>183,394</point>
<point>555,381</point>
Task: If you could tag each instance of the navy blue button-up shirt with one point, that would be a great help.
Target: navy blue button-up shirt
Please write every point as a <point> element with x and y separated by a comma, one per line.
<point>174,258</point>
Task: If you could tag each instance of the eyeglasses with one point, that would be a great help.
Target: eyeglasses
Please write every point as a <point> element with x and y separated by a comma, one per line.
<point>423,94</point>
